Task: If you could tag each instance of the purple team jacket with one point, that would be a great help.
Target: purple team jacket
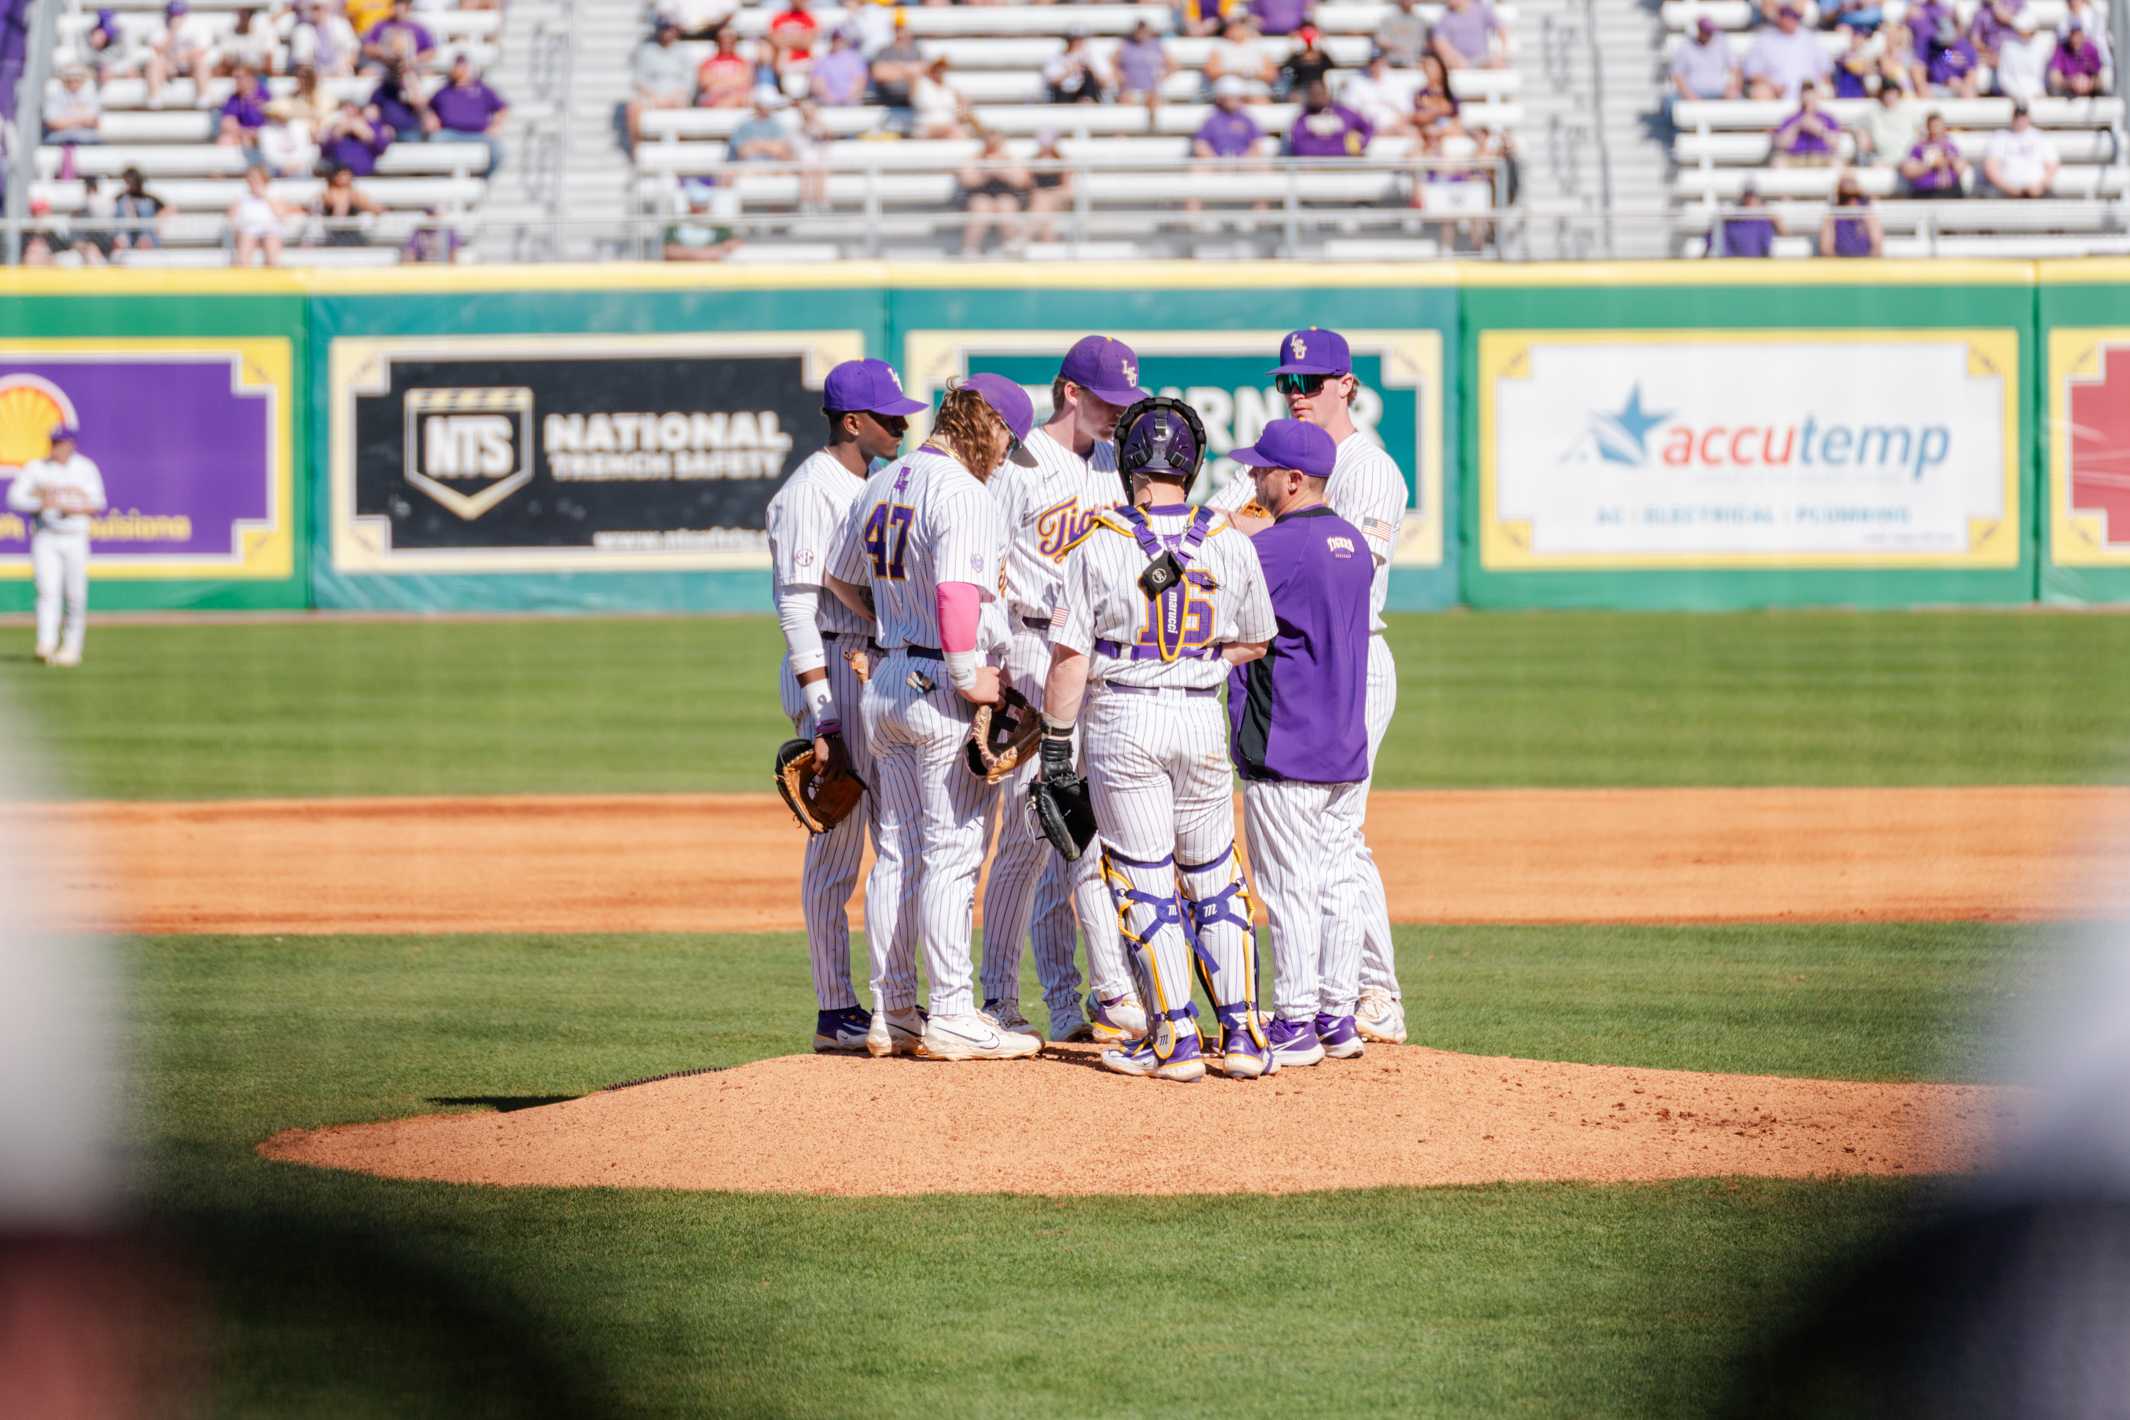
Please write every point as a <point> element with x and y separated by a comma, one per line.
<point>1299,712</point>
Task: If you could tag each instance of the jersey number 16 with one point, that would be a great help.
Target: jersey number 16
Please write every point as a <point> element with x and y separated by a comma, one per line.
<point>887,538</point>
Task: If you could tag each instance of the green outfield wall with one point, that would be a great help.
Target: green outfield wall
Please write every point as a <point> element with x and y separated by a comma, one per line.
<point>562,438</point>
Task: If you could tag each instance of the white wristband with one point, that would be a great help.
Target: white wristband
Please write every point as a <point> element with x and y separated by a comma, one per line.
<point>820,700</point>
<point>961,669</point>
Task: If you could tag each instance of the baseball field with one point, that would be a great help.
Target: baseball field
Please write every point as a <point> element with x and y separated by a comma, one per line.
<point>1778,874</point>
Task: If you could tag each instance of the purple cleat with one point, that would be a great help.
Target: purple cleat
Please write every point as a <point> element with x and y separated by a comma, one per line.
<point>1340,1036</point>
<point>1294,1043</point>
<point>1186,1060</point>
<point>1116,1018</point>
<point>1243,1056</point>
<point>841,1032</point>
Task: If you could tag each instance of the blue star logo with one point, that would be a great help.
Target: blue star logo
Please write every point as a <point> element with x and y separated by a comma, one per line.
<point>1624,437</point>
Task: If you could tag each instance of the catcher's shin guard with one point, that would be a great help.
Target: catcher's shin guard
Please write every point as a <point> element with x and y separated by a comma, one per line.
<point>1150,920</point>
<point>1218,914</point>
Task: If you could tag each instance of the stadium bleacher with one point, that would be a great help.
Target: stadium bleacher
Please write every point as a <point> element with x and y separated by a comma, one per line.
<point>1720,147</point>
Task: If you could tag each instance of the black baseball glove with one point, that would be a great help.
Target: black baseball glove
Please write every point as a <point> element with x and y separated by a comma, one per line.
<point>1059,799</point>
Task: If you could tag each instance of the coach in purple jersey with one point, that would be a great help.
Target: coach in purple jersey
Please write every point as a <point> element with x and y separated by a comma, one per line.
<point>1299,737</point>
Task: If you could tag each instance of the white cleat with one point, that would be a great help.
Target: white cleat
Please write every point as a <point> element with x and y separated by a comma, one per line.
<point>44,655</point>
<point>65,659</point>
<point>1380,1016</point>
<point>973,1037</point>
<point>1120,1020</point>
<point>895,1033</point>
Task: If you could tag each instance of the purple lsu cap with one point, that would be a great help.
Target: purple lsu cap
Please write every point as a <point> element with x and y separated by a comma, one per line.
<point>867,386</point>
<point>1290,443</point>
<point>1314,351</point>
<point>1011,403</point>
<point>1105,368</point>
<point>66,431</point>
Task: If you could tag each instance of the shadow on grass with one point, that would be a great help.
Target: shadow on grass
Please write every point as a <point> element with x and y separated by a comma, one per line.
<point>501,1104</point>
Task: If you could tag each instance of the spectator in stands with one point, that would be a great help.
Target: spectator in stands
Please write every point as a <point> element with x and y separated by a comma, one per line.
<point>73,114</point>
<point>791,37</point>
<point>1236,55</point>
<point>2074,70</point>
<point>1433,103</point>
<point>365,14</point>
<point>1808,137</point>
<point>2080,15</point>
<point>896,71</point>
<point>1324,129</point>
<point>659,74</point>
<point>242,115</point>
<point>1923,20</point>
<point>699,19</point>
<point>992,190</point>
<point>1070,76</point>
<point>322,39</point>
<point>107,51</point>
<point>1403,35</point>
<point>1899,63</point>
<point>1857,16</point>
<point>1702,68</point>
<point>248,45</point>
<point>727,76</point>
<point>2022,67</point>
<point>875,22</point>
<point>1279,17</point>
<point>1052,190</point>
<point>940,111</point>
<point>399,101</point>
<point>1785,59</point>
<point>761,138</point>
<point>1468,34</point>
<point>354,139</point>
<point>1228,131</point>
<point>1200,18</point>
<point>1307,65</point>
<point>839,76</point>
<point>399,37</point>
<point>1955,69</point>
<point>1142,64</point>
<point>1889,127</point>
<point>1452,183</point>
<point>1934,167</point>
<point>1850,227</point>
<point>179,50</point>
<point>809,141</point>
<point>138,214</point>
<point>1382,95</point>
<point>434,241</point>
<point>305,110</point>
<point>2019,161</point>
<point>1994,22</point>
<point>1749,231</point>
<point>1855,67</point>
<point>699,235</point>
<point>256,218</point>
<point>41,245</point>
<point>344,211</point>
<point>466,110</point>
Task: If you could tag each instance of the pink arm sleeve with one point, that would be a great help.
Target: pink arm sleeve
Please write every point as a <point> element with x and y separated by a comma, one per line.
<point>959,606</point>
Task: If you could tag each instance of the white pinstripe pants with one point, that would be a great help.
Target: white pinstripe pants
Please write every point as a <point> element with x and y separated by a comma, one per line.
<point>929,841</point>
<point>1300,835</point>
<point>1356,890</point>
<point>830,873</point>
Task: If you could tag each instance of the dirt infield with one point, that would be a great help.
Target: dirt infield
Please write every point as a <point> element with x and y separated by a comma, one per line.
<point>1408,1116</point>
<point>731,863</point>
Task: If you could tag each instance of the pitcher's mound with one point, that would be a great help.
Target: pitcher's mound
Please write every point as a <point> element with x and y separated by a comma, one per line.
<point>1398,1117</point>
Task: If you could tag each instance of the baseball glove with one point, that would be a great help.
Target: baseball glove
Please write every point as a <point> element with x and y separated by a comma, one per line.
<point>819,799</point>
<point>1002,736</point>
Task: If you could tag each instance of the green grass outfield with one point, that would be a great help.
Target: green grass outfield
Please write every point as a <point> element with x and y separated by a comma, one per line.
<point>335,1294</point>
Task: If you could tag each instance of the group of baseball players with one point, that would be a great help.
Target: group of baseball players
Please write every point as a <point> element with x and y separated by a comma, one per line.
<point>1062,568</point>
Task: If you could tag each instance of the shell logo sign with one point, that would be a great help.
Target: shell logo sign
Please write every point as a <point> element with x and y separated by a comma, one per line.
<point>30,408</point>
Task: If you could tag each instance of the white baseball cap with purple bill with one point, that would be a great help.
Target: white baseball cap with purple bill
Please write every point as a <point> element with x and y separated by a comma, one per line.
<point>1106,368</point>
<point>1010,403</point>
<point>866,386</point>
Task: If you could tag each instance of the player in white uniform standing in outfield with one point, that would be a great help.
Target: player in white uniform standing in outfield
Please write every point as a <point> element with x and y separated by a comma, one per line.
<point>1047,508</point>
<point>1315,375</point>
<point>868,415</point>
<point>922,554</point>
<point>59,494</point>
<point>1159,600</point>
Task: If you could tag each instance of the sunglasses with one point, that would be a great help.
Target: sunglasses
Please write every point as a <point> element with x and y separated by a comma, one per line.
<point>1303,385</point>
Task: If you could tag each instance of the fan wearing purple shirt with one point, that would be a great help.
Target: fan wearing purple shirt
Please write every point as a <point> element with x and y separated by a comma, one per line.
<point>1934,167</point>
<point>1808,137</point>
<point>354,139</point>
<point>1955,69</point>
<point>465,110</point>
<point>1467,35</point>
<point>1298,734</point>
<point>1324,129</point>
<point>838,77</point>
<point>398,102</point>
<point>1279,17</point>
<point>2074,70</point>
<point>399,37</point>
<point>1229,131</point>
<point>243,113</point>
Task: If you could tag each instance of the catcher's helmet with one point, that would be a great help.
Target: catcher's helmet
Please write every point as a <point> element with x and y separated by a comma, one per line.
<point>1161,436</point>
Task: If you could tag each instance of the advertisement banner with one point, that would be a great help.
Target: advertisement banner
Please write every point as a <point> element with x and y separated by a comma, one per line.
<point>2089,446</point>
<point>1791,449</point>
<point>194,442</point>
<point>1222,375</point>
<point>568,453</point>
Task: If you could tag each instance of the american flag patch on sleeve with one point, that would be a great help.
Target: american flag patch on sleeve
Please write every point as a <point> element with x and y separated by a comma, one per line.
<point>1378,528</point>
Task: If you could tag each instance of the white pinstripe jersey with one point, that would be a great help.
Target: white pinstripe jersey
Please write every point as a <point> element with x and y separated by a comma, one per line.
<point>1366,489</point>
<point>922,520</point>
<point>805,520</point>
<point>1101,600</point>
<point>1046,509</point>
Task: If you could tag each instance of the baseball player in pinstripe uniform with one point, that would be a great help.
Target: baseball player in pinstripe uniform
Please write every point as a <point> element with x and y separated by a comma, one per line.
<point>922,553</point>
<point>1047,508</point>
<point>1315,375</point>
<point>1300,738</point>
<point>824,641</point>
<point>1158,601</point>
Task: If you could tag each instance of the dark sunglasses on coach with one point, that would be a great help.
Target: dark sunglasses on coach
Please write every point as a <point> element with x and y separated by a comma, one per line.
<point>1303,385</point>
